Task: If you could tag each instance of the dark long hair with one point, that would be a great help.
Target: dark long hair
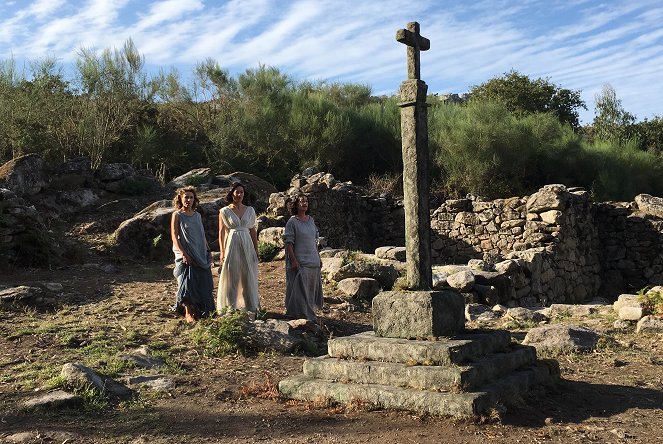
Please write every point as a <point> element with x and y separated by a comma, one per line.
<point>229,196</point>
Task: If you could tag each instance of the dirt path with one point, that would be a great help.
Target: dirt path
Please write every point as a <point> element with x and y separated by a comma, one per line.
<point>612,395</point>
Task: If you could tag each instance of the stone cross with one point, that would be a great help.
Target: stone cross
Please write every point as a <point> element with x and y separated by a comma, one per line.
<point>415,42</point>
<point>414,133</point>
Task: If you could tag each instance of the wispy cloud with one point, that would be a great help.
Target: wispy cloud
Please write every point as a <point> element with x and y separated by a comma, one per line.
<point>579,44</point>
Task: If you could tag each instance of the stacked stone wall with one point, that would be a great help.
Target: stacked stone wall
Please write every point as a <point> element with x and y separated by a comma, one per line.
<point>631,237</point>
<point>562,247</point>
<point>346,215</point>
<point>550,233</point>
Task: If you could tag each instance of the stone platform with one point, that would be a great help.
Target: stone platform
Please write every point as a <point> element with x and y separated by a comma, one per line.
<point>460,376</point>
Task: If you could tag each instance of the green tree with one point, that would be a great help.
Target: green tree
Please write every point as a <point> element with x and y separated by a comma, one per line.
<point>522,96</point>
<point>611,121</point>
<point>650,134</point>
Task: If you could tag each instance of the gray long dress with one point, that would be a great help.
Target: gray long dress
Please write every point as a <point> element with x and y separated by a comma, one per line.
<point>303,287</point>
<point>195,284</point>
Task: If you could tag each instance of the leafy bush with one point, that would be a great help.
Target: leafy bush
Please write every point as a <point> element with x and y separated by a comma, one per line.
<point>196,180</point>
<point>222,335</point>
<point>267,251</point>
<point>652,301</point>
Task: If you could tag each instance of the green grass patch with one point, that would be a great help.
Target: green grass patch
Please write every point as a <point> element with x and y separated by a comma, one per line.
<point>222,335</point>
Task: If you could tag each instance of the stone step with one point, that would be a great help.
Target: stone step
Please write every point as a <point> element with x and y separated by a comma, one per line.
<point>424,377</point>
<point>305,388</point>
<point>459,349</point>
<point>509,390</point>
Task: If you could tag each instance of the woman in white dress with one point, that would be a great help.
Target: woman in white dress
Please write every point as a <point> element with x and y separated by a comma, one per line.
<point>238,241</point>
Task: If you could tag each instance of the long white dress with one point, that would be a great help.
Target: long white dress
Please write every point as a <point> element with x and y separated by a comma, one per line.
<point>238,282</point>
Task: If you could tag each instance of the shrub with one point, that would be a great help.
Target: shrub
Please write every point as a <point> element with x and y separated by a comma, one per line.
<point>652,301</point>
<point>267,251</point>
<point>222,335</point>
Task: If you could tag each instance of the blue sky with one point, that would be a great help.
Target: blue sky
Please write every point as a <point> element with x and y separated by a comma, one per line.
<point>576,44</point>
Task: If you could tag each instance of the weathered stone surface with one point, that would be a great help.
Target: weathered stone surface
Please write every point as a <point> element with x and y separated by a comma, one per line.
<point>384,272</point>
<point>507,267</point>
<point>478,264</point>
<point>560,337</point>
<point>650,204</point>
<point>272,235</point>
<point>197,177</point>
<point>436,403</point>
<point>508,390</point>
<point>112,172</point>
<point>159,383</point>
<point>141,358</point>
<point>462,281</point>
<point>275,335</point>
<point>475,312</point>
<point>649,324</point>
<point>79,375</point>
<point>331,265</point>
<point>439,279</point>
<point>361,288</point>
<point>551,217</point>
<point>423,377</point>
<point>20,293</point>
<point>626,300</point>
<point>629,313</point>
<point>55,287</point>
<point>57,398</point>
<point>581,310</point>
<point>525,314</point>
<point>444,351</point>
<point>24,175</point>
<point>414,314</point>
<point>391,253</point>
<point>547,198</point>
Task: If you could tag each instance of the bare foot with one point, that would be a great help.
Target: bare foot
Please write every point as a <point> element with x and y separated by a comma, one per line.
<point>189,314</point>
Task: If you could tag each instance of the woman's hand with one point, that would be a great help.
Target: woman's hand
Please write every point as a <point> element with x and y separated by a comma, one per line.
<point>294,264</point>
<point>186,258</point>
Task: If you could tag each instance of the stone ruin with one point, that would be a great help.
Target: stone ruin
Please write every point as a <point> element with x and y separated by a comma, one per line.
<point>554,246</point>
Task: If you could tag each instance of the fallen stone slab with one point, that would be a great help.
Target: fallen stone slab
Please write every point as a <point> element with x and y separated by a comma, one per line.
<point>462,281</point>
<point>392,253</point>
<point>275,335</point>
<point>561,337</point>
<point>79,375</point>
<point>158,383</point>
<point>55,399</point>
<point>20,293</point>
<point>522,314</point>
<point>649,324</point>
<point>360,288</point>
<point>144,361</point>
<point>577,311</point>
<point>626,300</point>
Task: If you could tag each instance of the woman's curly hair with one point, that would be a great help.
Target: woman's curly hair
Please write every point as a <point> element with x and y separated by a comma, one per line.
<point>179,195</point>
<point>294,204</point>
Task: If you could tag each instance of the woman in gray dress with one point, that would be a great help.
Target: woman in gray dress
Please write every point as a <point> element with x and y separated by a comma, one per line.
<point>193,261</point>
<point>303,282</point>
